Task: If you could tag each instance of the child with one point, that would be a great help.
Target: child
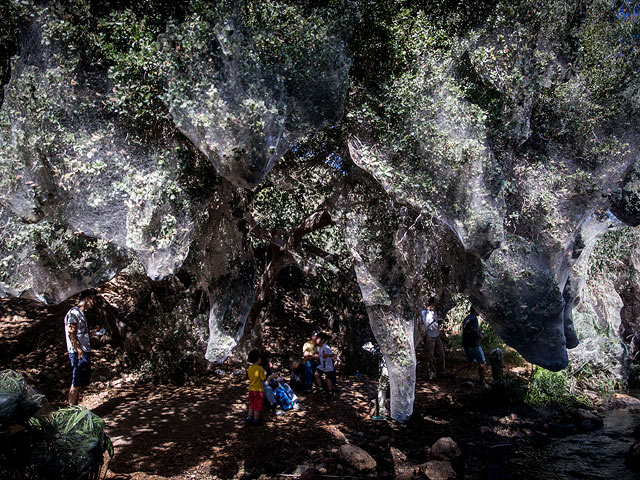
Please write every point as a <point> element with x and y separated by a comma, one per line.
<point>257,376</point>
<point>326,369</point>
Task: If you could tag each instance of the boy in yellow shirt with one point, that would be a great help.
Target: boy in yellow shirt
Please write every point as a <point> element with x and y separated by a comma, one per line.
<point>257,376</point>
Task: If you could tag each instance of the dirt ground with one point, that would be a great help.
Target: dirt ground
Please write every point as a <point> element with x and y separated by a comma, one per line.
<point>197,431</point>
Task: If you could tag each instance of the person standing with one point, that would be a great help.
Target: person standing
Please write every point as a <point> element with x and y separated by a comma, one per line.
<point>433,342</point>
<point>326,369</point>
<point>257,376</point>
<point>471,337</point>
<point>311,361</point>
<point>78,344</point>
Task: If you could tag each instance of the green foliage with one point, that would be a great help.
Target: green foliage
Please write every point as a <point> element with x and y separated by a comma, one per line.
<point>75,441</point>
<point>175,353</point>
<point>594,377</point>
<point>612,254</point>
<point>490,339</point>
<point>70,441</point>
<point>11,382</point>
<point>387,40</point>
<point>128,43</point>
<point>17,401</point>
<point>455,316</point>
<point>552,387</point>
<point>610,51</point>
<point>511,390</point>
<point>249,69</point>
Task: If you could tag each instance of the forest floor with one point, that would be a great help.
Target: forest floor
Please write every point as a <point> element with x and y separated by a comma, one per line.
<point>197,431</point>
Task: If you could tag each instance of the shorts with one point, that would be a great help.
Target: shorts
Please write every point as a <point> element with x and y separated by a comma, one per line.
<point>474,354</point>
<point>81,376</point>
<point>255,400</point>
<point>328,375</point>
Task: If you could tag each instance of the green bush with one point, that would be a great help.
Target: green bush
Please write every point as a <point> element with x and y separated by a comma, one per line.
<point>552,387</point>
<point>594,378</point>
<point>490,339</point>
<point>176,349</point>
<point>509,391</point>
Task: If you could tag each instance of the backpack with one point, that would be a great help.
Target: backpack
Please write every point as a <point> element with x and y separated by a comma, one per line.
<point>283,398</point>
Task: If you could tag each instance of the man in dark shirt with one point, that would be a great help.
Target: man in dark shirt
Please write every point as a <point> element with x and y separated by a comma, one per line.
<point>471,343</point>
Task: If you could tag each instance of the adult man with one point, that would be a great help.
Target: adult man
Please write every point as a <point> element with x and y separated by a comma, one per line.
<point>78,344</point>
<point>471,343</point>
<point>310,360</point>
<point>433,343</point>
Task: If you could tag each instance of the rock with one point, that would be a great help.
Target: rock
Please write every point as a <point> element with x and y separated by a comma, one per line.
<point>562,429</point>
<point>338,436</point>
<point>587,420</point>
<point>497,473</point>
<point>383,439</point>
<point>311,474</point>
<point>400,460</point>
<point>445,449</point>
<point>633,456</point>
<point>620,400</point>
<point>439,470</point>
<point>300,469</point>
<point>497,364</point>
<point>484,430</point>
<point>416,474</point>
<point>356,458</point>
<point>468,385</point>
<point>539,439</point>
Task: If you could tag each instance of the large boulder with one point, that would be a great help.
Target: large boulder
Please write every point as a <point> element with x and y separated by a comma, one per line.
<point>356,458</point>
<point>445,449</point>
<point>439,470</point>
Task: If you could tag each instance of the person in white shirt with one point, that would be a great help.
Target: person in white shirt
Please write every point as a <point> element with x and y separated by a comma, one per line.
<point>433,343</point>
<point>78,344</point>
<point>326,371</point>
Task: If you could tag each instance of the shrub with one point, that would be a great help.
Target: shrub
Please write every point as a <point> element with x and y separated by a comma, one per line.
<point>509,391</point>
<point>552,387</point>
<point>490,339</point>
<point>176,347</point>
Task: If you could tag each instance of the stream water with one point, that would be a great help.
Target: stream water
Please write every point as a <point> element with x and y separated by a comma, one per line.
<point>599,454</point>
